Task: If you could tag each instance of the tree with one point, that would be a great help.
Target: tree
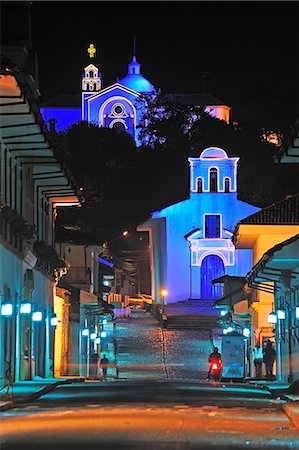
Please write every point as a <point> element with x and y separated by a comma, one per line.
<point>187,130</point>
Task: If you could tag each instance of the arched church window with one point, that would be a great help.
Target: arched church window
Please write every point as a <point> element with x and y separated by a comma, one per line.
<point>213,180</point>
<point>119,127</point>
<point>199,185</point>
<point>91,86</point>
<point>91,73</point>
<point>226,185</point>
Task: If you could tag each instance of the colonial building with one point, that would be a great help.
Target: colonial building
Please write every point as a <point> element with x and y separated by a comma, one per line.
<point>33,184</point>
<point>190,241</point>
<point>120,105</point>
<point>268,233</point>
<point>278,270</point>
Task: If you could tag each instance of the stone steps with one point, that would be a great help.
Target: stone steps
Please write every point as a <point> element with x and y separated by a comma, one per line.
<point>191,321</point>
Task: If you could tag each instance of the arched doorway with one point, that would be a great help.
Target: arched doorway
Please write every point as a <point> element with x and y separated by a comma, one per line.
<point>212,267</point>
<point>119,127</point>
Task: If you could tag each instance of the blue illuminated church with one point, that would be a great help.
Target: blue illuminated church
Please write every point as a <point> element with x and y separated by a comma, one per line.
<point>113,106</point>
<point>116,106</point>
<point>190,241</point>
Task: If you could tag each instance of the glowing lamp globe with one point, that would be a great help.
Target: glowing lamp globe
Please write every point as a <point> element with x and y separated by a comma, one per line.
<point>25,308</point>
<point>37,316</point>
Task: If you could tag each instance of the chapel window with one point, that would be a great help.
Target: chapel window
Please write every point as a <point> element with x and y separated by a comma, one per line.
<point>199,185</point>
<point>212,226</point>
<point>226,185</point>
<point>213,180</point>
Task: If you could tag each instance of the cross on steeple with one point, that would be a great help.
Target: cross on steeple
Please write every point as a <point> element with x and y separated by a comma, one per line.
<point>91,50</point>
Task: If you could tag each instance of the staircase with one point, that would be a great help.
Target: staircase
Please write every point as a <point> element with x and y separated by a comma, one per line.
<point>191,314</point>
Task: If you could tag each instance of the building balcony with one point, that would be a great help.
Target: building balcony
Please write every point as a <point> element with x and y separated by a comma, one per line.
<point>78,275</point>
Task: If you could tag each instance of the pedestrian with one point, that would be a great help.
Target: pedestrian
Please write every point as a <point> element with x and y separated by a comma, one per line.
<point>258,360</point>
<point>104,366</point>
<point>94,359</point>
<point>269,358</point>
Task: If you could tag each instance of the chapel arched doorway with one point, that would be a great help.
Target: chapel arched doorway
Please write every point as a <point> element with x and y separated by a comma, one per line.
<point>212,267</point>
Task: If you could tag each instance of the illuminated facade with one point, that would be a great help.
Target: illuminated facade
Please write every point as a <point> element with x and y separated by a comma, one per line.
<point>112,106</point>
<point>115,106</point>
<point>33,184</point>
<point>190,241</point>
<point>269,233</point>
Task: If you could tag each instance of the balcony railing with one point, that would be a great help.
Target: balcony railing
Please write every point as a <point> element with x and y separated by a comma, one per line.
<point>77,275</point>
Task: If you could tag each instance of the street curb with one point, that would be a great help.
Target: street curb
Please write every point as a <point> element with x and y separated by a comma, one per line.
<point>6,405</point>
<point>38,394</point>
<point>292,411</point>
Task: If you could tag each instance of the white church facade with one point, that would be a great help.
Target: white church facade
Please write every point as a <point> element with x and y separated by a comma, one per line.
<point>190,241</point>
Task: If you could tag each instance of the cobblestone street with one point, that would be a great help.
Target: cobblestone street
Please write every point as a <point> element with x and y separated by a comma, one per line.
<point>144,350</point>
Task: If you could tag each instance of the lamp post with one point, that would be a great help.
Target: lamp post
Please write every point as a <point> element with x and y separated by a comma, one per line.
<point>163,296</point>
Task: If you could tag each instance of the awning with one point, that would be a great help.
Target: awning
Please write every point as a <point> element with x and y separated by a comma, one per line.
<point>278,264</point>
<point>235,290</point>
<point>231,299</point>
<point>87,298</point>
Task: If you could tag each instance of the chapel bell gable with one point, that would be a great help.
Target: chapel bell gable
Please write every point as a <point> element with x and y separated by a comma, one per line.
<point>213,172</point>
<point>92,79</point>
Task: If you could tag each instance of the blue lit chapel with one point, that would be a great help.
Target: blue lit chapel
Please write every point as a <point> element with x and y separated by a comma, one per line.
<point>112,106</point>
<point>190,241</point>
<point>115,106</point>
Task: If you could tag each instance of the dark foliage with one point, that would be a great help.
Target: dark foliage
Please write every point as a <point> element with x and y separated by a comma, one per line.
<point>123,185</point>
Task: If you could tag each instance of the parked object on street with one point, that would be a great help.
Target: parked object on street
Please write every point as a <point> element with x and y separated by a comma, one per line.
<point>269,358</point>
<point>104,366</point>
<point>258,360</point>
<point>233,356</point>
<point>215,365</point>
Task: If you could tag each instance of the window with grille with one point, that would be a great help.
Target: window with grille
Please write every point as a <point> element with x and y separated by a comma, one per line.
<point>226,185</point>
<point>199,185</point>
<point>213,180</point>
<point>212,226</point>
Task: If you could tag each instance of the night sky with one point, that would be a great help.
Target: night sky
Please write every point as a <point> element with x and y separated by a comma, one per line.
<point>249,48</point>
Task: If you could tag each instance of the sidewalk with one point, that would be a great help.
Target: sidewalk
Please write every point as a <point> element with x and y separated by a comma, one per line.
<point>26,391</point>
<point>291,405</point>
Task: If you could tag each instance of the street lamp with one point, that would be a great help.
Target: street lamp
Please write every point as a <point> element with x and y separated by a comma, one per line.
<point>54,321</point>
<point>246,332</point>
<point>37,316</point>
<point>6,309</point>
<point>124,233</point>
<point>272,318</point>
<point>163,295</point>
<point>281,314</point>
<point>25,308</point>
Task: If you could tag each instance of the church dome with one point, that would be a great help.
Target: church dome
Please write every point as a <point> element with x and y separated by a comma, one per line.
<point>134,80</point>
<point>213,152</point>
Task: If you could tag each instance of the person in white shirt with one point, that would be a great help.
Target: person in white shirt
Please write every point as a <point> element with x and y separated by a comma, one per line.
<point>258,360</point>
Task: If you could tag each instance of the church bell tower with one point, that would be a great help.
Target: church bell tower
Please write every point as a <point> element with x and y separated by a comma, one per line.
<point>92,77</point>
